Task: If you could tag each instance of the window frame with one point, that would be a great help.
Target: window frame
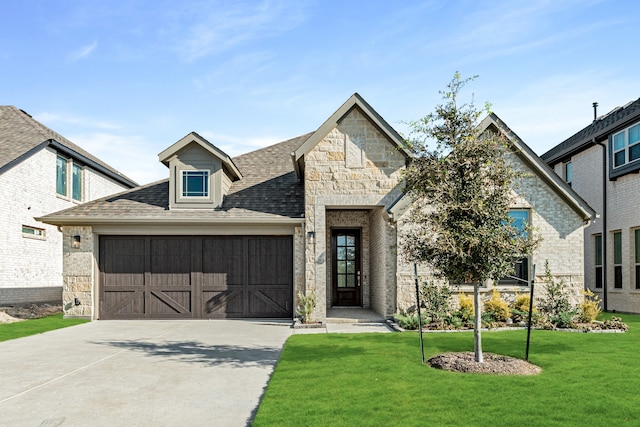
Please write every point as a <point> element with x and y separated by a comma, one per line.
<point>617,259</point>
<point>525,277</point>
<point>73,189</point>
<point>620,145</point>
<point>568,172</point>
<point>637,256</point>
<point>206,179</point>
<point>597,260</point>
<point>31,232</point>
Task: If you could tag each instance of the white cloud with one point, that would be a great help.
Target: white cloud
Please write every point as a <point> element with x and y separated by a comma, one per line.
<point>83,52</point>
<point>222,28</point>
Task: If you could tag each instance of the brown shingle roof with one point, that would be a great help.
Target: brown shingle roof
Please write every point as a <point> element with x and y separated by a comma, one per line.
<point>20,134</point>
<point>268,189</point>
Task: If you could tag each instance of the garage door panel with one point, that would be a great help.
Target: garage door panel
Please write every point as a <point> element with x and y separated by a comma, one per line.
<point>222,261</point>
<point>196,277</point>
<point>123,304</point>
<point>269,302</point>
<point>224,303</point>
<point>170,304</point>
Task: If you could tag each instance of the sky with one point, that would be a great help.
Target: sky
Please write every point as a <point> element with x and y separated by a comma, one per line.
<point>127,79</point>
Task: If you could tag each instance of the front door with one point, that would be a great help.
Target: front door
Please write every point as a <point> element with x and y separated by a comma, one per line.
<point>346,267</point>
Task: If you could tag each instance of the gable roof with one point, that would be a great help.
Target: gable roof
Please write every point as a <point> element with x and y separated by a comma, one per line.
<point>21,136</point>
<point>354,101</point>
<point>493,122</point>
<point>193,137</point>
<point>598,130</point>
<point>269,192</point>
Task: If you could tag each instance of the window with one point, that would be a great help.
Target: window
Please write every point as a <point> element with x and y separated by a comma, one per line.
<point>598,260</point>
<point>33,232</point>
<point>195,183</point>
<point>520,219</point>
<point>637,255</point>
<point>76,182</point>
<point>617,260</point>
<point>568,172</point>
<point>626,146</point>
<point>61,176</point>
<point>68,176</point>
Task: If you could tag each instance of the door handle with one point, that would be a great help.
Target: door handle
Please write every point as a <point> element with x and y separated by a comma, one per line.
<point>358,279</point>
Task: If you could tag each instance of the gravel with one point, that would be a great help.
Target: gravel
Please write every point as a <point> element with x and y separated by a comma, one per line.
<point>493,364</point>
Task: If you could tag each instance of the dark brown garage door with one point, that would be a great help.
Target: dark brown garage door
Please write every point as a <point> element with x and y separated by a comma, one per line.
<point>172,277</point>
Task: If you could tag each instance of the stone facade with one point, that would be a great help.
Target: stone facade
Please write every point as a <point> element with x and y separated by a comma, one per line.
<point>31,265</point>
<point>79,267</point>
<point>353,168</point>
<point>559,226</point>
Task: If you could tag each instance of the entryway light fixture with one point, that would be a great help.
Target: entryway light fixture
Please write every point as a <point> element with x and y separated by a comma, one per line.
<point>75,242</point>
<point>311,236</point>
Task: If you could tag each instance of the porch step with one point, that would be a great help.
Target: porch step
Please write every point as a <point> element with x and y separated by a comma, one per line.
<point>352,315</point>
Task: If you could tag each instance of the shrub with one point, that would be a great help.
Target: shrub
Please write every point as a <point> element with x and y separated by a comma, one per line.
<point>408,321</point>
<point>497,307</point>
<point>589,308</point>
<point>306,306</point>
<point>436,301</point>
<point>556,301</point>
<point>465,308</point>
<point>520,308</point>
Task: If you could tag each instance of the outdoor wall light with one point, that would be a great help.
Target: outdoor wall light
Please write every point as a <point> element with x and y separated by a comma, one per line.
<point>311,237</point>
<point>76,301</point>
<point>75,242</point>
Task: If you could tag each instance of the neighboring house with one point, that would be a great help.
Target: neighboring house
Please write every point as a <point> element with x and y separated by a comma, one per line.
<point>241,237</point>
<point>601,163</point>
<point>41,172</point>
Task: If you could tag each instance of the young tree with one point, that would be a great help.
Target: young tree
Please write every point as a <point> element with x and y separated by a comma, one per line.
<point>462,182</point>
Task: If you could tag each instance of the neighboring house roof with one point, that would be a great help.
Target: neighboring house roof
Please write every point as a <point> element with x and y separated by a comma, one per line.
<point>269,192</point>
<point>539,167</point>
<point>21,136</point>
<point>227,163</point>
<point>355,101</point>
<point>598,131</point>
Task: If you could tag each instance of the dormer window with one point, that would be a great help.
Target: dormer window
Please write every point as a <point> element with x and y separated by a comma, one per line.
<point>195,183</point>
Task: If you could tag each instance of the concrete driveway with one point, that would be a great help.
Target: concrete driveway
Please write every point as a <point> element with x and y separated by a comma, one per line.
<point>140,373</point>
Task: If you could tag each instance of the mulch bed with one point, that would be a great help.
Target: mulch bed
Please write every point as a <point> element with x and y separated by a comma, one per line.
<point>493,364</point>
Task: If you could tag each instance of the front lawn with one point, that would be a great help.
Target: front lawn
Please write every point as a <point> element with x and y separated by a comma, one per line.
<point>377,380</point>
<point>9,331</point>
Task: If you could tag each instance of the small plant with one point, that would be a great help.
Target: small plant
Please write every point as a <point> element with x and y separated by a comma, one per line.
<point>520,307</point>
<point>465,308</point>
<point>555,304</point>
<point>589,308</point>
<point>436,301</point>
<point>306,306</point>
<point>409,320</point>
<point>498,307</point>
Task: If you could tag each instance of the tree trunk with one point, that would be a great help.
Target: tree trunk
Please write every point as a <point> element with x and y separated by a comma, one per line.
<point>477,324</point>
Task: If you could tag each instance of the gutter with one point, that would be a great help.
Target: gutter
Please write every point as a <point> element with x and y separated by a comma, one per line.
<point>90,221</point>
<point>604,223</point>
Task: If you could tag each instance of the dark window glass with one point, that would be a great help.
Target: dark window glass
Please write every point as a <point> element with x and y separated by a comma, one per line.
<point>598,249</point>
<point>634,152</point>
<point>520,220</point>
<point>76,181</point>
<point>617,247</point>
<point>598,277</point>
<point>618,159</point>
<point>195,184</point>
<point>617,277</point>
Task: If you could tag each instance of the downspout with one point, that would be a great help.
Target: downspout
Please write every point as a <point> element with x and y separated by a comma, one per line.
<point>604,223</point>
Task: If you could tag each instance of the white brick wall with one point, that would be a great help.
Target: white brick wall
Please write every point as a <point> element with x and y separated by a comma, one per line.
<point>28,190</point>
<point>623,214</point>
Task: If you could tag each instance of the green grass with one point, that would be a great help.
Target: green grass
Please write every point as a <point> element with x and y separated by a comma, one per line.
<point>378,380</point>
<point>9,331</point>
